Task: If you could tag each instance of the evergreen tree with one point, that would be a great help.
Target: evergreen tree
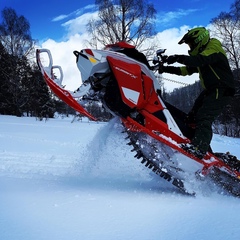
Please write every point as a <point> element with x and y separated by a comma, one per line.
<point>5,94</point>
<point>41,102</point>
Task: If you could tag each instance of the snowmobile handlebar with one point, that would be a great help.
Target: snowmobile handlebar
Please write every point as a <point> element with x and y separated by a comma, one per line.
<point>159,59</point>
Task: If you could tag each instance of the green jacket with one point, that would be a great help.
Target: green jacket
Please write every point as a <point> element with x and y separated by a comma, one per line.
<point>211,64</point>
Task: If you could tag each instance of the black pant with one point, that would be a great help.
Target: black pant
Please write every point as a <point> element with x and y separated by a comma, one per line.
<point>207,107</point>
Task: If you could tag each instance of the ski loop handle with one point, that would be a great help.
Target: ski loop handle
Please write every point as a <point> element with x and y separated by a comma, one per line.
<point>50,67</point>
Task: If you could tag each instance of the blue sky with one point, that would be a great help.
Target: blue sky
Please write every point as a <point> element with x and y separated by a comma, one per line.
<point>59,26</point>
<point>50,18</point>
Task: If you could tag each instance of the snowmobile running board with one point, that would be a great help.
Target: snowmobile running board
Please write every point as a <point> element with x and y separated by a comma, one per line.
<point>55,83</point>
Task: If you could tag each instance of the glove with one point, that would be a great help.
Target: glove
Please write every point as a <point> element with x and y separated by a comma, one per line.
<point>169,69</point>
<point>172,59</point>
<point>163,69</point>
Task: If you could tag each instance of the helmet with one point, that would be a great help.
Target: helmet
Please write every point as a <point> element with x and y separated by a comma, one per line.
<point>196,38</point>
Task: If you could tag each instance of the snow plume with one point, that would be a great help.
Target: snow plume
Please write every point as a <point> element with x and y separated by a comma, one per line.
<point>102,162</point>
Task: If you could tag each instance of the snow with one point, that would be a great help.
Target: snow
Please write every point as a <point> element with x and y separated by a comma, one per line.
<point>63,180</point>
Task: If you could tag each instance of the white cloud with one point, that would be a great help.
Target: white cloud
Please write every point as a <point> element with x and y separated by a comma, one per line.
<point>59,18</point>
<point>78,25</point>
<point>165,18</point>
<point>75,13</point>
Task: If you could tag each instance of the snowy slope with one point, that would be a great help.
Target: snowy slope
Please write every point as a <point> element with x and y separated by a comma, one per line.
<point>63,180</point>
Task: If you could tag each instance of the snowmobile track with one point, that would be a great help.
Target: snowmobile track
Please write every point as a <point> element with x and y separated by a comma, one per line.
<point>154,166</point>
<point>228,183</point>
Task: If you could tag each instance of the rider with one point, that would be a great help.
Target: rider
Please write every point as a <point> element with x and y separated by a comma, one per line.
<point>208,58</point>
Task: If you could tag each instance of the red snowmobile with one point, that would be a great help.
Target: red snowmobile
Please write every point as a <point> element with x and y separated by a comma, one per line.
<point>121,79</point>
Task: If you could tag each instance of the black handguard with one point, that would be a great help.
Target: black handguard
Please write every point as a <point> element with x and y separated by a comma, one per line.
<point>161,68</point>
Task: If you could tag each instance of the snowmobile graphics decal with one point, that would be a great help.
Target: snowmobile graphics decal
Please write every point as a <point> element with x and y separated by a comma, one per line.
<point>131,95</point>
<point>126,72</point>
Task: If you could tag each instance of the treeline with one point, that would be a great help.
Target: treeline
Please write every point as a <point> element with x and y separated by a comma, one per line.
<point>23,91</point>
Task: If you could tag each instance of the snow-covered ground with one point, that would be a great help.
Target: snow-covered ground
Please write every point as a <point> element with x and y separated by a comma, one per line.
<point>70,181</point>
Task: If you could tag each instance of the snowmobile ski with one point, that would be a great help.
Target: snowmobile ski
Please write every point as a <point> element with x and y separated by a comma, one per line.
<point>55,84</point>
